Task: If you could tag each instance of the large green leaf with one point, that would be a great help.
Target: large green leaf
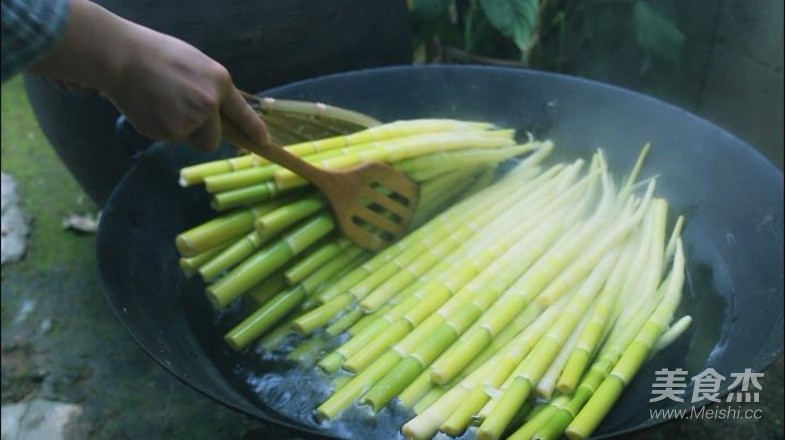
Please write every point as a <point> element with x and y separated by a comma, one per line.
<point>516,19</point>
<point>657,34</point>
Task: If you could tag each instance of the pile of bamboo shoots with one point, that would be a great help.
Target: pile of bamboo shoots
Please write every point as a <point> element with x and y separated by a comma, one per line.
<point>520,306</point>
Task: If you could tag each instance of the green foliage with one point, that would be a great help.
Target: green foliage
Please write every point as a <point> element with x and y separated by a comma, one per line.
<point>657,34</point>
<point>516,19</point>
<point>579,36</point>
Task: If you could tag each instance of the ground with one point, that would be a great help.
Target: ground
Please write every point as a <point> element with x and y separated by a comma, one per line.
<point>61,342</point>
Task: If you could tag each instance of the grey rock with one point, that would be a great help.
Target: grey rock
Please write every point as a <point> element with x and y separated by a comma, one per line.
<point>38,419</point>
<point>15,223</point>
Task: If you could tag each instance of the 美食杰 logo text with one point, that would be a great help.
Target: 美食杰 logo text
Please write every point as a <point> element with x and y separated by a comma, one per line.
<point>672,385</point>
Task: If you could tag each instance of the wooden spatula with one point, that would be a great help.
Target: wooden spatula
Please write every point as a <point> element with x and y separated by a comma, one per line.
<point>372,203</point>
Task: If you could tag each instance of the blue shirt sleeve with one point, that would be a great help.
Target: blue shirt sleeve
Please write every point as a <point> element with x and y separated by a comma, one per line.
<point>30,28</point>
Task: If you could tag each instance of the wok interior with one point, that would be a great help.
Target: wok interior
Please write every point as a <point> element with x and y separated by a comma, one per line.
<point>731,198</point>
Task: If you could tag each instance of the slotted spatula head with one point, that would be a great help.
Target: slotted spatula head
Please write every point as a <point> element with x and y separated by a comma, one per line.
<point>372,203</point>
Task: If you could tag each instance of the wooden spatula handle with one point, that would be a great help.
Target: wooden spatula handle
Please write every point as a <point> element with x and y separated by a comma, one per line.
<point>272,152</point>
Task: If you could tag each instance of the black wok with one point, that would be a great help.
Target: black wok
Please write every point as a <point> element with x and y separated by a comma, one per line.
<point>731,195</point>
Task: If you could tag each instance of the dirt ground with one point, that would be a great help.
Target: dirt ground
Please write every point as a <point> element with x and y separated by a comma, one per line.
<point>61,342</point>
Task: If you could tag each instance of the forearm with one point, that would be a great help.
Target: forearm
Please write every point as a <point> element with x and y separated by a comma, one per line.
<point>93,51</point>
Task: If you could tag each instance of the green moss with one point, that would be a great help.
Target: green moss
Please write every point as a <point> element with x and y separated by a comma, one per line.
<point>48,192</point>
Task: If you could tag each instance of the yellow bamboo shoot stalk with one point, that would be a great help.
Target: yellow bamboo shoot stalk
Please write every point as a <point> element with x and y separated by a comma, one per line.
<point>221,229</point>
<point>545,351</point>
<point>493,372</point>
<point>412,272</point>
<point>384,265</point>
<point>671,334</point>
<point>602,316</point>
<point>452,216</point>
<point>480,292</point>
<point>516,297</point>
<point>422,168</point>
<point>416,391</point>
<point>626,190</point>
<point>398,149</point>
<point>655,260</point>
<point>589,258</point>
<point>496,317</point>
<point>547,383</point>
<point>433,294</point>
<point>196,174</point>
<point>190,265</point>
<point>670,248</point>
<point>492,249</point>
<point>300,270</point>
<point>634,355</point>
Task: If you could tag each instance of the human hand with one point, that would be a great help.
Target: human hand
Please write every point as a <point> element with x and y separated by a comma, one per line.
<point>166,88</point>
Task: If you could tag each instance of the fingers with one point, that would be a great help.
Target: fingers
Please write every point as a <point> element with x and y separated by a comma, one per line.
<point>235,109</point>
<point>207,137</point>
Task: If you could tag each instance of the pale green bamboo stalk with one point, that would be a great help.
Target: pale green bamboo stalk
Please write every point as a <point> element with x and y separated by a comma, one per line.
<point>547,384</point>
<point>485,178</point>
<point>535,364</point>
<point>258,175</point>
<point>394,357</point>
<point>432,295</point>
<point>493,372</point>
<point>306,354</point>
<point>403,148</point>
<point>438,194</point>
<point>415,392</point>
<point>289,214</point>
<point>245,196</point>
<point>428,399</point>
<point>268,259</point>
<point>190,266</point>
<point>532,427</point>
<point>196,174</point>
<point>310,263</point>
<point>501,313</point>
<point>612,235</point>
<point>610,353</point>
<point>603,316</point>
<point>587,420</point>
<point>670,248</point>
<point>462,158</point>
<point>232,180</point>
<point>264,318</point>
<point>264,291</point>
<point>220,230</point>
<point>655,261</point>
<point>232,255</point>
<point>344,322</point>
<point>278,219</point>
<point>635,172</point>
<point>348,258</point>
<point>421,168</point>
<point>280,305</point>
<point>377,270</point>
<point>672,333</point>
<point>516,352</point>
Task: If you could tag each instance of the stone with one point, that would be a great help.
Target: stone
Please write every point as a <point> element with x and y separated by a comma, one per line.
<point>39,419</point>
<point>15,223</point>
